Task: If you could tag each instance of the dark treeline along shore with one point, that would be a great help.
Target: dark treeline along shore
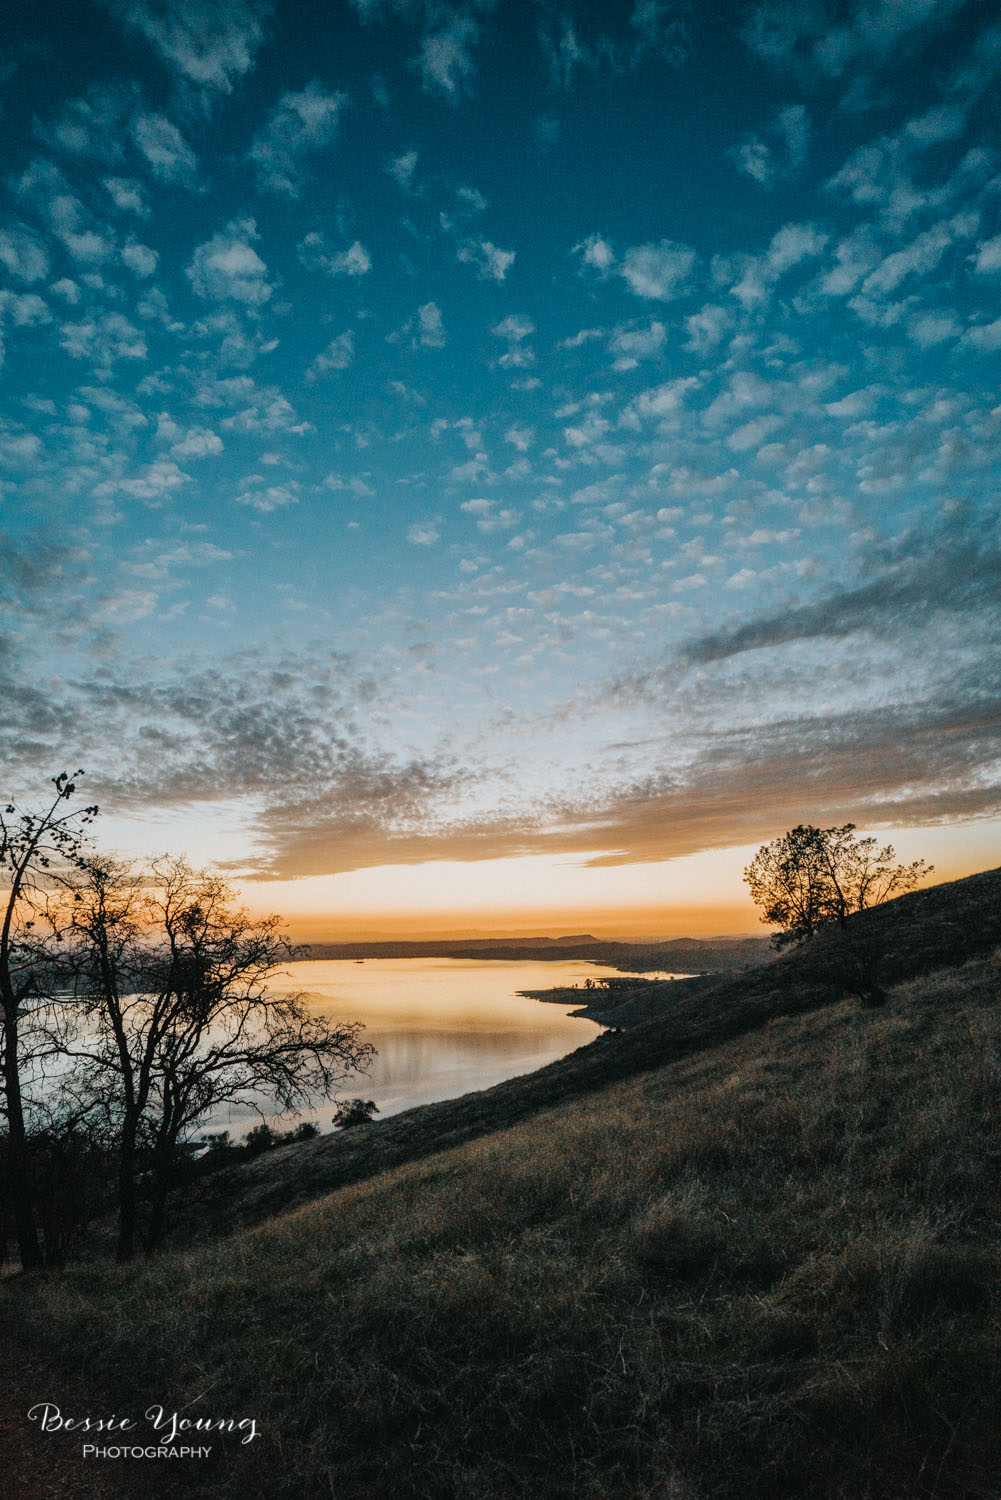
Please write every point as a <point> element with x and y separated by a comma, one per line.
<point>744,1246</point>
<point>680,955</point>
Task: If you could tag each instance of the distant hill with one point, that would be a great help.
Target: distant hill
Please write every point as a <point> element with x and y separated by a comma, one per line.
<point>679,955</point>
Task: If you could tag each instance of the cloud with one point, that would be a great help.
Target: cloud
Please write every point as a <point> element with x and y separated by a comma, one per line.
<point>515,329</point>
<point>90,126</point>
<point>805,33</point>
<point>103,340</point>
<point>790,136</point>
<point>339,355</point>
<point>984,336</point>
<point>430,328</point>
<point>490,517</point>
<point>25,310</point>
<point>165,148</point>
<point>210,43</point>
<point>932,328</point>
<point>630,345</point>
<point>316,255</point>
<point>655,27</point>
<point>156,479</point>
<point>904,764</point>
<point>127,195</point>
<point>267,498</point>
<point>987,260</point>
<point>259,409</point>
<point>707,327</point>
<point>953,572</point>
<point>446,60</point>
<point>83,238</point>
<point>139,258</point>
<point>299,124</point>
<point>425,330</point>
<point>402,169</point>
<point>751,277</point>
<point>491,263</point>
<point>227,267</point>
<point>423,533</point>
<point>660,272</point>
<point>23,253</point>
<point>197,442</point>
<point>596,253</point>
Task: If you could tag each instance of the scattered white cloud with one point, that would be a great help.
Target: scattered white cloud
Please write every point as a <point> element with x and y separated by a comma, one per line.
<point>659,272</point>
<point>339,355</point>
<point>988,257</point>
<point>490,517</point>
<point>23,253</point>
<point>596,253</point>
<point>24,310</point>
<point>91,125</point>
<point>104,340</point>
<point>197,442</point>
<point>268,498</point>
<point>446,56</point>
<point>630,344</point>
<point>707,327</point>
<point>128,196</point>
<point>932,328</point>
<point>430,327</point>
<point>316,255</point>
<point>402,169</point>
<point>164,147</point>
<point>139,258</point>
<point>155,480</point>
<point>68,290</point>
<point>782,154</point>
<point>919,257</point>
<point>423,533</point>
<point>228,267</point>
<point>491,263</point>
<point>984,336</point>
<point>806,34</point>
<point>300,123</point>
<point>211,43</point>
<point>515,329</point>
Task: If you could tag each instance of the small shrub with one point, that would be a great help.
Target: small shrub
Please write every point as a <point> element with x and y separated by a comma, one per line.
<point>354,1112</point>
<point>261,1138</point>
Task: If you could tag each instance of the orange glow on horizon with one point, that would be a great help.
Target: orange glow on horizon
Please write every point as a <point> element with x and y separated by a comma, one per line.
<point>611,924</point>
<point>701,895</point>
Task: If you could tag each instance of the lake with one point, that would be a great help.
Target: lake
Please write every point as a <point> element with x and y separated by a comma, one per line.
<point>441,1026</point>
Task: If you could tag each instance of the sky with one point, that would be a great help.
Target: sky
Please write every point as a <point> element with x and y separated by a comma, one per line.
<point>490,464</point>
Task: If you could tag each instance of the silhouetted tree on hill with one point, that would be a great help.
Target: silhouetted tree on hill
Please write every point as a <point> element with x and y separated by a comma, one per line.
<point>177,1016</point>
<point>812,877</point>
<point>35,849</point>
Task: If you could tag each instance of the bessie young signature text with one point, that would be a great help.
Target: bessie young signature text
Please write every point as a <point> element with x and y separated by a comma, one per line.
<point>169,1425</point>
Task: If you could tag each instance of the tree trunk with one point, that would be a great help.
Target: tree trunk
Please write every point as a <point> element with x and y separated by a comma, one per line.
<point>163,1173</point>
<point>20,1177</point>
<point>128,1208</point>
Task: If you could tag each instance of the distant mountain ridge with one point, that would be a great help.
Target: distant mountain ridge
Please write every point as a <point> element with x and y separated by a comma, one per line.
<point>714,955</point>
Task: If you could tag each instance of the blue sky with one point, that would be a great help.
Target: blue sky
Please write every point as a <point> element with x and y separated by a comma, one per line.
<point>470,432</point>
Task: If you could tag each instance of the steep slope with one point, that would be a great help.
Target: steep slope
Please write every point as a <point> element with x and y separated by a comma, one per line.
<point>766,1270</point>
<point>927,929</point>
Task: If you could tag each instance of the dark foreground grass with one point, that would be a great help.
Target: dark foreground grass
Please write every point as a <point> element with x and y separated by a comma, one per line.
<point>766,1271</point>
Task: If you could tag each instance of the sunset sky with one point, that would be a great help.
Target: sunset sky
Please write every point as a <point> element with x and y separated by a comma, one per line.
<point>489,465</point>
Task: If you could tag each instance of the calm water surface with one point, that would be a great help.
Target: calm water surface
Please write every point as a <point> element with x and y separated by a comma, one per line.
<point>441,1026</point>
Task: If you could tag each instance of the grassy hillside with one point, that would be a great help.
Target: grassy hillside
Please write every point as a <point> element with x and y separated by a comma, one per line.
<point>762,1265</point>
<point>662,1022</point>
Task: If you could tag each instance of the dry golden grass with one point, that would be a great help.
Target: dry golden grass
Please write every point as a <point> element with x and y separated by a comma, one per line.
<point>769,1270</point>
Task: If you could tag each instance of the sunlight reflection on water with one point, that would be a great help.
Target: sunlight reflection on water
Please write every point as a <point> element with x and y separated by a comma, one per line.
<point>441,1026</point>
